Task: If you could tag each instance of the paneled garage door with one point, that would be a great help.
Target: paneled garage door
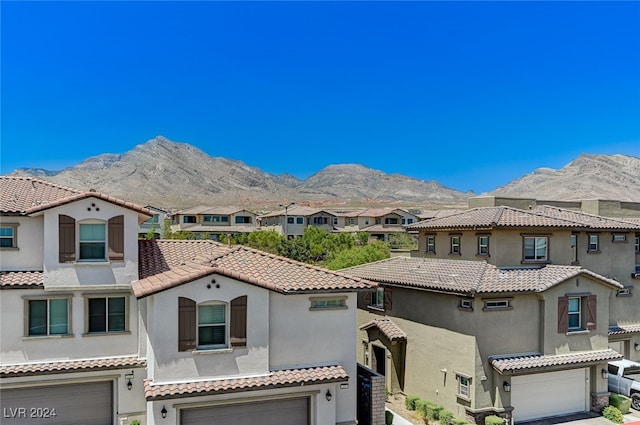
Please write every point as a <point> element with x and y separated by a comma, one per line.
<point>548,394</point>
<point>88,403</point>
<point>276,412</point>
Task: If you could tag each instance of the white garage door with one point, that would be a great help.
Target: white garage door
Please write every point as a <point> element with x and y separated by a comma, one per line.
<point>548,394</point>
<point>89,403</point>
<point>276,412</point>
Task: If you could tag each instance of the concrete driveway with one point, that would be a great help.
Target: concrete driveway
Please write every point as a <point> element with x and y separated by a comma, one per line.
<point>585,419</point>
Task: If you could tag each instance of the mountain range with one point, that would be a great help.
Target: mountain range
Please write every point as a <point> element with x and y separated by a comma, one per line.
<point>166,174</point>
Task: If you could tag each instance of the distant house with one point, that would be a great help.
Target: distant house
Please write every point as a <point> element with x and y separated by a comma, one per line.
<point>154,224</point>
<point>293,220</point>
<point>212,222</point>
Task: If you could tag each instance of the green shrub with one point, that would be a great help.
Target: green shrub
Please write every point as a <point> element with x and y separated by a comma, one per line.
<point>613,414</point>
<point>410,402</point>
<point>459,421</point>
<point>433,411</point>
<point>621,402</point>
<point>493,420</point>
<point>421,407</point>
<point>134,422</point>
<point>445,417</point>
<point>388,418</point>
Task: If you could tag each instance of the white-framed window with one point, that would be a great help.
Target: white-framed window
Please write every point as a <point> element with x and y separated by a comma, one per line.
<point>377,299</point>
<point>299,220</point>
<point>328,303</point>
<point>107,314</point>
<point>212,325</point>
<point>536,248</point>
<point>574,248</point>
<point>47,316</point>
<point>497,304</point>
<point>625,292</point>
<point>575,313</point>
<point>8,236</point>
<point>465,304</point>
<point>594,243</point>
<point>619,237</point>
<point>92,241</point>
<point>483,245</point>
<point>289,220</point>
<point>455,244</point>
<point>464,386</point>
<point>431,244</point>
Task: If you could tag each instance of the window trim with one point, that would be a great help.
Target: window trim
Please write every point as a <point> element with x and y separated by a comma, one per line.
<point>127,308</point>
<point>465,304</point>
<point>480,245</point>
<point>573,245</point>
<point>379,298</point>
<point>213,347</point>
<point>323,303</point>
<point>427,250</point>
<point>619,238</point>
<point>536,260</point>
<point>455,248</point>
<point>462,388</point>
<point>627,291</point>
<point>27,308</point>
<point>595,250</point>
<point>636,243</point>
<point>13,237</point>
<point>494,304</point>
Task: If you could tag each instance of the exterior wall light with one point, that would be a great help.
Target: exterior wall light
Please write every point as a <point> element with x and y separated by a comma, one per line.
<point>605,373</point>
<point>506,387</point>
<point>163,412</point>
<point>328,395</point>
<point>129,377</point>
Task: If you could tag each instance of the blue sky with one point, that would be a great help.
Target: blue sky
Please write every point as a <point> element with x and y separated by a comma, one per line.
<point>471,94</point>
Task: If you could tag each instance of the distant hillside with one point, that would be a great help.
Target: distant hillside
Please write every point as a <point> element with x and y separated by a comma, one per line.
<point>586,177</point>
<point>169,174</point>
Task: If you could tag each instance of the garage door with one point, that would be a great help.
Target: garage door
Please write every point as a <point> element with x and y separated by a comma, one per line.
<point>89,404</point>
<point>276,412</point>
<point>548,394</point>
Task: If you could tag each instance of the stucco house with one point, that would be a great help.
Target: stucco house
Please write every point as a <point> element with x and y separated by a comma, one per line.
<point>211,222</point>
<point>499,302</point>
<point>100,328</point>
<point>153,225</point>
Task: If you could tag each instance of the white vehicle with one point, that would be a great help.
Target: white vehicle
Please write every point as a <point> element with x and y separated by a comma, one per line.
<point>624,378</point>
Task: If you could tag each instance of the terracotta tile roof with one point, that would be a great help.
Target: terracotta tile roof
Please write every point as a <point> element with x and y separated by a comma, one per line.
<point>26,195</point>
<point>527,363</point>
<point>591,221</point>
<point>378,212</point>
<point>66,366</point>
<point>429,214</point>
<point>20,280</point>
<point>276,379</point>
<point>296,210</point>
<point>380,228</point>
<point>509,217</point>
<point>203,209</point>
<point>492,217</point>
<point>195,227</point>
<point>387,328</point>
<point>18,194</point>
<point>624,329</point>
<point>164,264</point>
<point>468,277</point>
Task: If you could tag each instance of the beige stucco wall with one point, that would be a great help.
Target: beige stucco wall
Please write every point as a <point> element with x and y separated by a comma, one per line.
<point>28,255</point>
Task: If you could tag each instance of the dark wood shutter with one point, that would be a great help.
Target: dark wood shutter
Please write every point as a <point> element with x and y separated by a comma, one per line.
<point>67,239</point>
<point>591,312</point>
<point>116,238</point>
<point>563,315</point>
<point>238,323</point>
<point>387,298</point>
<point>186,324</point>
<point>367,298</point>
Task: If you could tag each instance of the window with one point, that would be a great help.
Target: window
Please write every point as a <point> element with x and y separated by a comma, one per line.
<point>535,248</point>
<point>619,237</point>
<point>289,220</point>
<point>335,221</point>
<point>455,244</point>
<point>107,314</point>
<point>299,220</point>
<point>92,241</point>
<point>497,304</point>
<point>483,245</point>
<point>594,243</point>
<point>211,325</point>
<point>328,303</point>
<point>465,304</point>
<point>8,237</point>
<point>636,244</point>
<point>212,331</point>
<point>48,317</point>
<point>574,248</point>
<point>320,220</point>
<point>464,383</point>
<point>380,299</point>
<point>576,313</point>
<point>391,220</point>
<point>189,219</point>
<point>407,220</point>
<point>625,292</point>
<point>431,244</point>
<point>243,219</point>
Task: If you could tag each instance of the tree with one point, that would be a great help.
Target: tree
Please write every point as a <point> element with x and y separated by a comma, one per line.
<point>402,241</point>
<point>297,249</point>
<point>374,251</point>
<point>265,240</point>
<point>166,229</point>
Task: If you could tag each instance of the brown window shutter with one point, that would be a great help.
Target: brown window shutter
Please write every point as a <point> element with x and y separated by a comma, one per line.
<point>116,238</point>
<point>238,323</point>
<point>186,324</point>
<point>67,239</point>
<point>367,298</point>
<point>591,312</point>
<point>387,298</point>
<point>563,315</point>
